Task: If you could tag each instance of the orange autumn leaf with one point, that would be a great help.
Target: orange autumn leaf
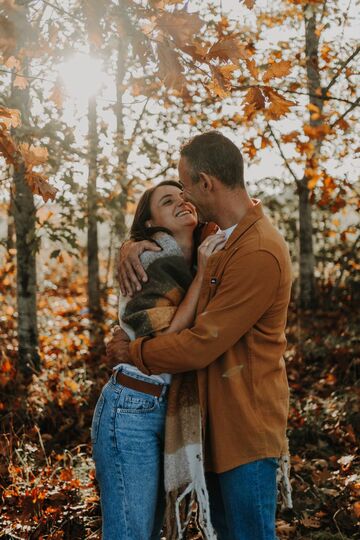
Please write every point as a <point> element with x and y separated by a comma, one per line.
<point>6,366</point>
<point>356,508</point>
<point>21,82</point>
<point>13,63</point>
<point>252,68</point>
<point>39,185</point>
<point>8,147</point>
<point>33,155</point>
<point>277,69</point>
<point>255,97</point>
<point>10,117</point>
<point>317,132</point>
<point>220,84</point>
<point>249,148</point>
<point>279,106</point>
<point>181,25</point>
<point>290,137</point>
<point>228,48</point>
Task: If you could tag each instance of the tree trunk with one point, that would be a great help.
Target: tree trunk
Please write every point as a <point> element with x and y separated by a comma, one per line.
<point>94,293</point>
<point>24,217</point>
<point>24,214</point>
<point>307,259</point>
<point>121,151</point>
<point>10,238</point>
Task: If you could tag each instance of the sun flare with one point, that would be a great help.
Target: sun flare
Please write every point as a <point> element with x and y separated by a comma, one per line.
<point>82,75</point>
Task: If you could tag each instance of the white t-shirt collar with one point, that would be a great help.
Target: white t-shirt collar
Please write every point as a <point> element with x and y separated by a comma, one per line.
<point>229,230</point>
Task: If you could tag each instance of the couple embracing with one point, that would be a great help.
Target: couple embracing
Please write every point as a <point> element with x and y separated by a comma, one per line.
<point>195,411</point>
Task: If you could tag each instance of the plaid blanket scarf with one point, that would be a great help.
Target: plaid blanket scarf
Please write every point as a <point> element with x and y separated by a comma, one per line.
<point>148,312</point>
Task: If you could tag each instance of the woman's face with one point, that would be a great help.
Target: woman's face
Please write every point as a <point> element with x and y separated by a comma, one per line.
<point>169,210</point>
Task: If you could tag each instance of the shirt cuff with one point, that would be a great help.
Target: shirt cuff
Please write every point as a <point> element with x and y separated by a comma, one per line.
<point>135,349</point>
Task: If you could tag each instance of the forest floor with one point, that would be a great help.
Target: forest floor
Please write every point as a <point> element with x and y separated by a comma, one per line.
<point>46,471</point>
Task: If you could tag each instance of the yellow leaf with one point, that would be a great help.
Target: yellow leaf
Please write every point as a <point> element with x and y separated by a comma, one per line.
<point>312,183</point>
<point>72,385</point>
<point>277,69</point>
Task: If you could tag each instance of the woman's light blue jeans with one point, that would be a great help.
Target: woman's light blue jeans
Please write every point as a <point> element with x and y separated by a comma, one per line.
<point>243,501</point>
<point>127,435</point>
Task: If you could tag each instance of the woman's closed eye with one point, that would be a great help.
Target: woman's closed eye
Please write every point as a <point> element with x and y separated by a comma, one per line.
<point>167,202</point>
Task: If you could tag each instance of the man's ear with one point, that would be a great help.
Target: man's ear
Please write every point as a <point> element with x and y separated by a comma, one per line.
<point>206,182</point>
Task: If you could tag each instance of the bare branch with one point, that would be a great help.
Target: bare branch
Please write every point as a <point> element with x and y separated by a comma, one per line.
<point>63,11</point>
<point>355,104</point>
<point>283,155</point>
<point>344,64</point>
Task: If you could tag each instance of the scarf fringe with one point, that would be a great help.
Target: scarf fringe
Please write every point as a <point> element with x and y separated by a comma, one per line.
<point>283,482</point>
<point>180,506</point>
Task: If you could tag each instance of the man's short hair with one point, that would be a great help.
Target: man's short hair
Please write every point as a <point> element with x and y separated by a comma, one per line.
<point>214,154</point>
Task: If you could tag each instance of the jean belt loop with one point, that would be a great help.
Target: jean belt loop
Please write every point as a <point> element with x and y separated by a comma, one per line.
<point>164,391</point>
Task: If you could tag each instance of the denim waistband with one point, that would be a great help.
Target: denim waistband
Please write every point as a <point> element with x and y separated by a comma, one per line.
<point>144,378</point>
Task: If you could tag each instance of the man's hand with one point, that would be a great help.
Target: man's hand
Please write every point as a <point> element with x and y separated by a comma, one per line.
<point>130,270</point>
<point>117,349</point>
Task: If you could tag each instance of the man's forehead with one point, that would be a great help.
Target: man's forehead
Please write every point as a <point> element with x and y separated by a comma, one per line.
<point>183,170</point>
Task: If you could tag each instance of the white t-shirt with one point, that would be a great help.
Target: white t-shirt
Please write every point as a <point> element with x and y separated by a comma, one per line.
<point>229,230</point>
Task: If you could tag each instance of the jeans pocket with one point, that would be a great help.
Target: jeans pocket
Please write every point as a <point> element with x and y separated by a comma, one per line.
<point>96,419</point>
<point>134,402</point>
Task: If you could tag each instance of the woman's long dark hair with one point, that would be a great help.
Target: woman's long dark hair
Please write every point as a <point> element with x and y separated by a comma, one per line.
<point>139,230</point>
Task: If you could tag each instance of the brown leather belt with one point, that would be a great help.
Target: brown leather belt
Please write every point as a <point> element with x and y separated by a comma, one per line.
<point>140,386</point>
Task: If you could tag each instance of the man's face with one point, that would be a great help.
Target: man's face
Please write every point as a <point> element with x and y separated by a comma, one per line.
<point>191,191</point>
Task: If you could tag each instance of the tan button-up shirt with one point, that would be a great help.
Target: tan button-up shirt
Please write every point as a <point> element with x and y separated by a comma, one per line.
<point>236,345</point>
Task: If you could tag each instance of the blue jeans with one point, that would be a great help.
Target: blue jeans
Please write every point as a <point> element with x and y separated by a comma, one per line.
<point>243,501</point>
<point>127,435</point>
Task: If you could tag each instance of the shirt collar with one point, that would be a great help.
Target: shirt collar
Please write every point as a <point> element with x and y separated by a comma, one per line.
<point>254,213</point>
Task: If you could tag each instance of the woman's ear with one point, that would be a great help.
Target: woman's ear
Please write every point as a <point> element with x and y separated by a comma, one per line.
<point>148,224</point>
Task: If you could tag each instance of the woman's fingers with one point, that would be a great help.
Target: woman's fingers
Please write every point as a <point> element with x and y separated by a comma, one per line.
<point>219,244</point>
<point>212,242</point>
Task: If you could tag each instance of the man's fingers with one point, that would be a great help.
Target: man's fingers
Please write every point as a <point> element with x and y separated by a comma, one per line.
<point>147,245</point>
<point>125,285</point>
<point>132,277</point>
<point>140,272</point>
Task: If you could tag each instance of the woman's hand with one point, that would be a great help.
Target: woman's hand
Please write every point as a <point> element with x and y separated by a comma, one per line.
<point>130,270</point>
<point>212,244</point>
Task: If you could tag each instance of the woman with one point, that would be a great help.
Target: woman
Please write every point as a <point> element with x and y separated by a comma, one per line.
<point>129,419</point>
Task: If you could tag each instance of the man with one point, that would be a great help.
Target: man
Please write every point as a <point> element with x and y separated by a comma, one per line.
<point>236,343</point>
